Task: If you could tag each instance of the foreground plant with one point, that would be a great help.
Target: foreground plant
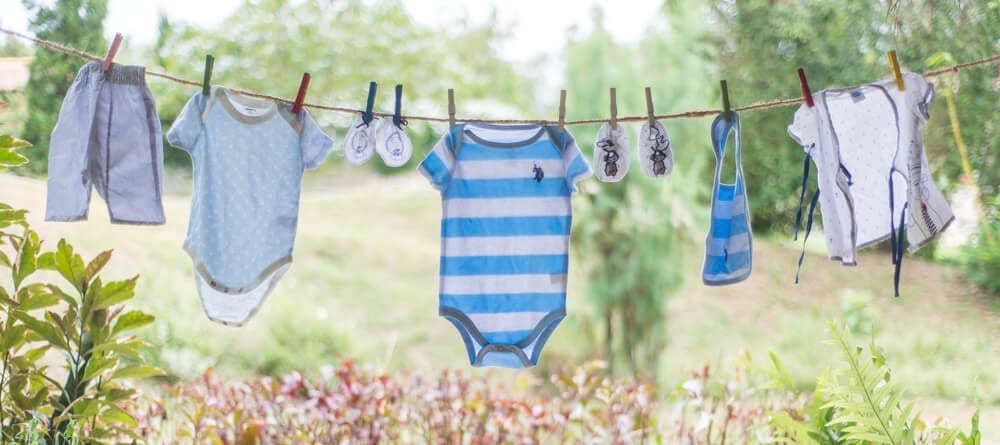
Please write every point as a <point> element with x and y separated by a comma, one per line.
<point>82,321</point>
<point>859,403</point>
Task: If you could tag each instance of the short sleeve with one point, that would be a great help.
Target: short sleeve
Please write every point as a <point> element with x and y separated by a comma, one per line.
<point>438,165</point>
<point>803,128</point>
<point>186,129</point>
<point>315,143</point>
<point>576,165</point>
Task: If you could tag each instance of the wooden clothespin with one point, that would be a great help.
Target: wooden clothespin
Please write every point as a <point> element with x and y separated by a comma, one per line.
<point>367,115</point>
<point>451,108</point>
<point>301,96</point>
<point>650,114</point>
<point>562,110</point>
<point>726,110</point>
<point>806,92</point>
<point>896,73</point>
<point>112,52</point>
<point>614,110</point>
<point>206,85</point>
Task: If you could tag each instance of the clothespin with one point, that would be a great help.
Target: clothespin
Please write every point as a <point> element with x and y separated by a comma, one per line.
<point>207,83</point>
<point>649,107</point>
<point>397,118</point>
<point>301,96</point>
<point>562,110</point>
<point>112,52</point>
<point>725,101</point>
<point>614,110</point>
<point>366,115</point>
<point>895,71</point>
<point>806,92</point>
<point>451,108</point>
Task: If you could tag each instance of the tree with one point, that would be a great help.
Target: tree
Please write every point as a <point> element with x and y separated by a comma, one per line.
<point>12,47</point>
<point>344,44</point>
<point>842,43</point>
<point>631,236</point>
<point>77,23</point>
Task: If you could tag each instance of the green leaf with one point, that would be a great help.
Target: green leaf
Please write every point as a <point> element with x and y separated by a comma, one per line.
<point>12,338</point>
<point>8,142</point>
<point>36,296</point>
<point>47,331</point>
<point>114,414</point>
<point>98,365</point>
<point>137,372</point>
<point>70,265</point>
<point>11,159</point>
<point>115,292</point>
<point>128,349</point>
<point>97,264</point>
<point>131,320</point>
<point>11,216</point>
<point>47,261</point>
<point>26,258</point>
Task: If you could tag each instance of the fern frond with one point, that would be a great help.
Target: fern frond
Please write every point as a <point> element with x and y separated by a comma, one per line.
<point>795,432</point>
<point>866,400</point>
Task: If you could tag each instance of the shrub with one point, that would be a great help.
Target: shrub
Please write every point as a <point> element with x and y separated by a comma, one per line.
<point>85,323</point>
<point>981,260</point>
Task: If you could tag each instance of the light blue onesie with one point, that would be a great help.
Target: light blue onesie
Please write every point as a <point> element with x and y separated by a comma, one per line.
<point>248,157</point>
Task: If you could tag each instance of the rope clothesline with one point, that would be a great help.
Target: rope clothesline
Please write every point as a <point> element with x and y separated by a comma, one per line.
<point>686,114</point>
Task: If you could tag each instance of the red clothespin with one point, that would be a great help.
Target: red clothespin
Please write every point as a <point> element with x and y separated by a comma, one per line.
<point>806,92</point>
<point>301,97</point>
<point>112,52</point>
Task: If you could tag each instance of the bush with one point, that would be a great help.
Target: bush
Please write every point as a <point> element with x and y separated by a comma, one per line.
<point>84,324</point>
<point>981,260</point>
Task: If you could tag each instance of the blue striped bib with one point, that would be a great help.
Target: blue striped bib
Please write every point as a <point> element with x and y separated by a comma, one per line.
<point>729,245</point>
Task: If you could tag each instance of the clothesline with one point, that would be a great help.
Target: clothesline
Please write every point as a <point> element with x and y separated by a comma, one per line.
<point>686,114</point>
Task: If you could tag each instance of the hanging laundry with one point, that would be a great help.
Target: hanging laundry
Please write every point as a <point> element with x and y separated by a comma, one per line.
<point>393,145</point>
<point>107,137</point>
<point>248,157</point>
<point>655,156</point>
<point>360,142</point>
<point>611,153</point>
<point>867,145</point>
<point>506,218</point>
<point>729,245</point>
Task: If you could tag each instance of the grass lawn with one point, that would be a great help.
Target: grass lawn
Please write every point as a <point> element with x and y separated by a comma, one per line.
<point>364,284</point>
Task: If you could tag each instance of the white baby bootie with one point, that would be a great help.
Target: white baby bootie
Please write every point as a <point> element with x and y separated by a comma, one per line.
<point>655,156</point>
<point>611,154</point>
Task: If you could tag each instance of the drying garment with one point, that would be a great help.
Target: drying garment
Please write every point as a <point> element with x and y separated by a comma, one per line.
<point>506,218</point>
<point>107,137</point>
<point>248,157</point>
<point>729,246</point>
<point>655,156</point>
<point>393,145</point>
<point>867,145</point>
<point>359,144</point>
<point>611,153</point>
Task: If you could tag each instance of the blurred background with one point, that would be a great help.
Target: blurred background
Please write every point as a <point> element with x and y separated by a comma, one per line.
<point>364,283</point>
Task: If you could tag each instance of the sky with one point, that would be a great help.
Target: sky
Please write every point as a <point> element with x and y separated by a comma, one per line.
<point>539,26</point>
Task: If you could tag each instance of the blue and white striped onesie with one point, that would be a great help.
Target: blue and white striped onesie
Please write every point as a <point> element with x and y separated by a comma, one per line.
<point>506,218</point>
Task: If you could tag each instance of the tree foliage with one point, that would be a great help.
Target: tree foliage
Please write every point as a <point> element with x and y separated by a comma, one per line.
<point>629,234</point>
<point>266,46</point>
<point>77,23</point>
<point>842,43</point>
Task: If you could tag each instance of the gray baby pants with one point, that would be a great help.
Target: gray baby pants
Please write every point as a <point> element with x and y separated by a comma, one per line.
<point>108,137</point>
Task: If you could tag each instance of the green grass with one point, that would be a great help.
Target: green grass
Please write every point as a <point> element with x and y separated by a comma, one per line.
<point>364,287</point>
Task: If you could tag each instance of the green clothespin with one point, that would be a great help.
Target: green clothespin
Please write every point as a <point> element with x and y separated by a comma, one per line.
<point>206,85</point>
<point>726,110</point>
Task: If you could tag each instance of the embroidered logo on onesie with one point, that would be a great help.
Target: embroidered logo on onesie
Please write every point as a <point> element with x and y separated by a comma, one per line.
<point>539,174</point>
